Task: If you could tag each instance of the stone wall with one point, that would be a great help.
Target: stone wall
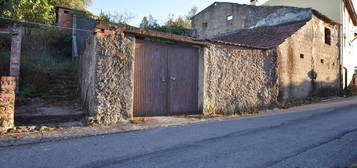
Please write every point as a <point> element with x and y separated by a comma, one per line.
<point>7,102</point>
<point>107,75</point>
<point>304,54</point>
<point>213,21</point>
<point>238,80</point>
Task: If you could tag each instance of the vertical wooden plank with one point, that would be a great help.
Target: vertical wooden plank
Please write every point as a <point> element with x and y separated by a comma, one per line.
<point>150,79</point>
<point>183,74</point>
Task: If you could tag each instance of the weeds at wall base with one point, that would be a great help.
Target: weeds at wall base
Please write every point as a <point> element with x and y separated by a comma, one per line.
<point>350,91</point>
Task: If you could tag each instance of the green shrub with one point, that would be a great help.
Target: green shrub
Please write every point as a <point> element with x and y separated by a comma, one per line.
<point>350,91</point>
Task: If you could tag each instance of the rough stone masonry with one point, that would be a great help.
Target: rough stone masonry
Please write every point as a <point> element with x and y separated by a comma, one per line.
<point>7,102</point>
<point>239,79</point>
<point>107,81</point>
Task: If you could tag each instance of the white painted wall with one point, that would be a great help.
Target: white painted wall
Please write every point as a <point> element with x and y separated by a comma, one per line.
<point>349,47</point>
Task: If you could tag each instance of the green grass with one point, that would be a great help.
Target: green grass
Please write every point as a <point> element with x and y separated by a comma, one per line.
<point>31,92</point>
<point>45,62</point>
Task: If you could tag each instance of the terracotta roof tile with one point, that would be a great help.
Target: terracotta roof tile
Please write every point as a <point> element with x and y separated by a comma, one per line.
<point>263,37</point>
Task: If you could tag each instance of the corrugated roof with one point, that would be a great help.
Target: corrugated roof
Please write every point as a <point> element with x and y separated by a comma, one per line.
<point>263,37</point>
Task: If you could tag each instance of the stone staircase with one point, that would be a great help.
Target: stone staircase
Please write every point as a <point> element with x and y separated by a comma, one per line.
<point>63,86</point>
<point>62,107</point>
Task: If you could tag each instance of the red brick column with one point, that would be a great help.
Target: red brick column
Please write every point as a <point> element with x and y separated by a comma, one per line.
<point>7,102</point>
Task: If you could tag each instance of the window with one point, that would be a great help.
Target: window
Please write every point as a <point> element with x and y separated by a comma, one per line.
<point>328,36</point>
<point>204,25</point>
<point>322,61</point>
<point>302,56</point>
<point>66,11</point>
<point>230,17</point>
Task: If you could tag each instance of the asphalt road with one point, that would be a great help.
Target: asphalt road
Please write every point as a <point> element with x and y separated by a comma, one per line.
<point>320,135</point>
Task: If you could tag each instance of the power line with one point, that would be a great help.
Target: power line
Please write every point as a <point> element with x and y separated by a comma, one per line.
<point>44,25</point>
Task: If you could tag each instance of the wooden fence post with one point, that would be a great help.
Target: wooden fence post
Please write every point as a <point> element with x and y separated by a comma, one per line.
<point>15,59</point>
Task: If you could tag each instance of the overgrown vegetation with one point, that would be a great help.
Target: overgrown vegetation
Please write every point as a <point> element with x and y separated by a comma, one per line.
<point>43,52</point>
<point>32,92</point>
<point>115,17</point>
<point>40,11</point>
<point>179,25</point>
<point>350,91</point>
<point>286,105</point>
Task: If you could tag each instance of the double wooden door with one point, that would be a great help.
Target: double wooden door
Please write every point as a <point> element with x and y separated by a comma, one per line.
<point>166,79</point>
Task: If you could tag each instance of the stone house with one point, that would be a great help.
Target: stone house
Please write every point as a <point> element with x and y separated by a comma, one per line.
<point>224,17</point>
<point>344,13</point>
<point>307,53</point>
<point>306,43</point>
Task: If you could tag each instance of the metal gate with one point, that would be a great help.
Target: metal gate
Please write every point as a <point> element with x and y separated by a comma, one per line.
<point>166,79</point>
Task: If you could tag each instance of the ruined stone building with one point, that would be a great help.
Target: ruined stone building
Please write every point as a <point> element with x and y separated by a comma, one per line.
<point>305,41</point>
<point>344,13</point>
<point>223,17</point>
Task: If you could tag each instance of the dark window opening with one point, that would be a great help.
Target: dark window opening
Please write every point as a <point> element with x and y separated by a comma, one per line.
<point>322,61</point>
<point>328,36</point>
<point>66,12</point>
<point>302,56</point>
<point>204,25</point>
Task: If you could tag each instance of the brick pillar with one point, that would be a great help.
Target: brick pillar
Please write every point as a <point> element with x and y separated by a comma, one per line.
<point>7,102</point>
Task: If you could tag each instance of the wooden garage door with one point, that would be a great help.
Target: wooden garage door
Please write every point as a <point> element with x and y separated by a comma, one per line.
<point>166,78</point>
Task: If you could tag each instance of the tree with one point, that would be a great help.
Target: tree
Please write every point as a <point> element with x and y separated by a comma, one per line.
<point>115,17</point>
<point>30,10</point>
<point>176,25</point>
<point>41,11</point>
<point>144,23</point>
<point>103,17</point>
<point>149,22</point>
<point>75,4</point>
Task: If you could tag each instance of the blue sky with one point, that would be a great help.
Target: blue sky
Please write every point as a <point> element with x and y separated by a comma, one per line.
<point>160,9</point>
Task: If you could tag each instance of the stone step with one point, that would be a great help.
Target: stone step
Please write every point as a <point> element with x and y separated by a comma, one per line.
<point>62,90</point>
<point>66,87</point>
<point>62,97</point>
<point>58,94</point>
<point>62,77</point>
<point>61,83</point>
<point>49,119</point>
<point>65,71</point>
